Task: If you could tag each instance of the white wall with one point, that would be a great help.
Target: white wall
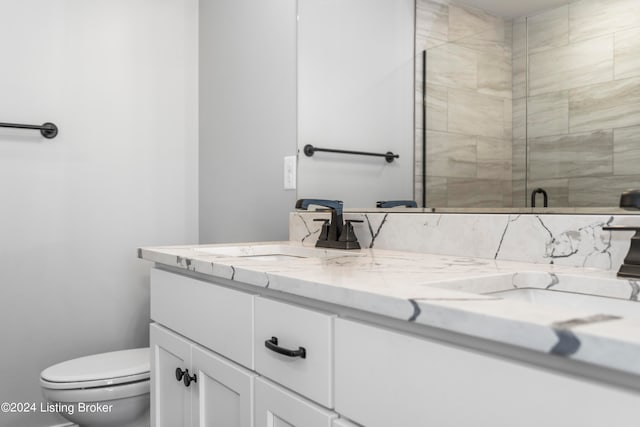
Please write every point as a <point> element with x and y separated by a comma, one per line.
<point>247,118</point>
<point>355,79</point>
<point>119,78</point>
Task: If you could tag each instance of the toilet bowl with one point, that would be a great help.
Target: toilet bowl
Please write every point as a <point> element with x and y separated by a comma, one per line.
<point>102,390</point>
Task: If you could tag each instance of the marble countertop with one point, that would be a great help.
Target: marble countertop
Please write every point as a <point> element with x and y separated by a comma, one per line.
<point>446,292</point>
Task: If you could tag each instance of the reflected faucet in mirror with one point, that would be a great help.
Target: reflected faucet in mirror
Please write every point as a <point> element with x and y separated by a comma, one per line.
<point>335,234</point>
<point>545,200</point>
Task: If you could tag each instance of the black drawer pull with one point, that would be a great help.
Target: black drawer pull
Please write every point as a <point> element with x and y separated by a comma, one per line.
<point>272,345</point>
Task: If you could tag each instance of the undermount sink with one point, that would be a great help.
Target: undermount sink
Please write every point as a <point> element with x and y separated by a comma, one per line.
<point>572,301</point>
<point>273,252</point>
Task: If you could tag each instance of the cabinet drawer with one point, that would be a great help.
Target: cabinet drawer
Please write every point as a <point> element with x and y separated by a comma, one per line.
<point>214,316</point>
<point>386,378</point>
<point>296,327</point>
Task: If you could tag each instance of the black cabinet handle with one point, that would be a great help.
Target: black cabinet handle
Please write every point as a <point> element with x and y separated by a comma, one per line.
<point>179,374</point>
<point>272,345</point>
<point>188,379</point>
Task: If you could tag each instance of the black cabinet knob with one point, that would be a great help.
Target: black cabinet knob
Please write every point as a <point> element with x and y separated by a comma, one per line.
<point>188,379</point>
<point>179,374</point>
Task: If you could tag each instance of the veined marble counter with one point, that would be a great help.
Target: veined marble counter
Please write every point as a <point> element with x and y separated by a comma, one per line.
<point>444,292</point>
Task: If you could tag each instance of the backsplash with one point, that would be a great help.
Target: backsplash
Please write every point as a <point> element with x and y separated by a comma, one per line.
<point>574,240</point>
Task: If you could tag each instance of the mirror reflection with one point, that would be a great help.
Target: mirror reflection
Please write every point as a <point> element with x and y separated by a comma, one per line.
<point>546,103</point>
<point>530,98</point>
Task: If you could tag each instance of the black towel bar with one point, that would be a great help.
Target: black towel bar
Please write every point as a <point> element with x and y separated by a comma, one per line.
<point>48,130</point>
<point>310,149</point>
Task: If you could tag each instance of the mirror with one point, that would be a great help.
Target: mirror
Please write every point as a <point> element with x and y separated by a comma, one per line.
<point>519,96</point>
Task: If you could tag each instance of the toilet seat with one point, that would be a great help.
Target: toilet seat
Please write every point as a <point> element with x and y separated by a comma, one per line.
<point>98,370</point>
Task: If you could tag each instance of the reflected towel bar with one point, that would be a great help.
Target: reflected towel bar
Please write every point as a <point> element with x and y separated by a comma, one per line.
<point>310,149</point>
<point>48,130</point>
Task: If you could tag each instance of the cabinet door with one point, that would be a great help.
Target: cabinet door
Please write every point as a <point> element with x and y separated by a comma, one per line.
<point>224,393</point>
<point>277,407</point>
<point>170,399</point>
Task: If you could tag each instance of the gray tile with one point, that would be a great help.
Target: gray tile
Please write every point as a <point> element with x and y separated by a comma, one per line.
<point>494,158</point>
<point>548,29</point>
<point>452,66</point>
<point>486,193</point>
<point>519,37</point>
<point>626,151</point>
<point>519,118</point>
<point>436,192</point>
<point>507,119</point>
<point>607,105</point>
<point>472,113</point>
<point>432,22</point>
<point>437,105</point>
<point>600,191</point>
<point>571,66</point>
<point>467,21</point>
<point>627,53</point>
<point>519,77</point>
<point>592,18</point>
<point>583,154</point>
<point>519,159</point>
<point>494,74</point>
<point>548,114</point>
<point>451,155</point>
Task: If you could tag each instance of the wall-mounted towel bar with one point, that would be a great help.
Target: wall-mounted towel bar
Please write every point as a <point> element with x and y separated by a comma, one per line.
<point>310,149</point>
<point>48,130</point>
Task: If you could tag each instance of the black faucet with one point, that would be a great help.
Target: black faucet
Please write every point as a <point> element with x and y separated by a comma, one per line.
<point>544,196</point>
<point>335,234</point>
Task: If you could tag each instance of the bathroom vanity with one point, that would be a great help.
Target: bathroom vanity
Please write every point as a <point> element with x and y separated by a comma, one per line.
<point>282,334</point>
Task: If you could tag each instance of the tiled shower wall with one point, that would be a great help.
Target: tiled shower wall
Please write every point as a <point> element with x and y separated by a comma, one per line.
<point>469,102</point>
<point>569,78</point>
<point>583,104</point>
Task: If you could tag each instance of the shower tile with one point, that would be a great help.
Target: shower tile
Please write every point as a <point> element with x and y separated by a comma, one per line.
<point>627,53</point>
<point>452,66</point>
<point>437,106</point>
<point>494,74</point>
<point>626,151</point>
<point>519,118</point>
<point>472,113</point>
<point>518,159</point>
<point>519,37</point>
<point>592,18</point>
<point>548,114</point>
<point>549,29</point>
<point>519,77</point>
<point>507,119</point>
<point>571,66</point>
<point>574,155</point>
<point>432,23</point>
<point>436,192</point>
<point>467,21</point>
<point>600,191</point>
<point>608,105</point>
<point>451,155</point>
<point>482,193</point>
<point>494,158</point>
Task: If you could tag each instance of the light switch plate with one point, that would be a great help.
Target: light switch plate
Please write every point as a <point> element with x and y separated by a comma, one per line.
<point>290,172</point>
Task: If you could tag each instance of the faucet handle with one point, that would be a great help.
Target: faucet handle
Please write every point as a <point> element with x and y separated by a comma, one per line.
<point>324,232</point>
<point>348,235</point>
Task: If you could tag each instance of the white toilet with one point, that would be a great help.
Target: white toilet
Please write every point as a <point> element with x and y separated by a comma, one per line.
<point>102,390</point>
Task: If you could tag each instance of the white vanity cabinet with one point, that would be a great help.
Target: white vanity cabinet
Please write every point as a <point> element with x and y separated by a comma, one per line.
<point>217,393</point>
<point>387,378</point>
<point>261,361</point>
